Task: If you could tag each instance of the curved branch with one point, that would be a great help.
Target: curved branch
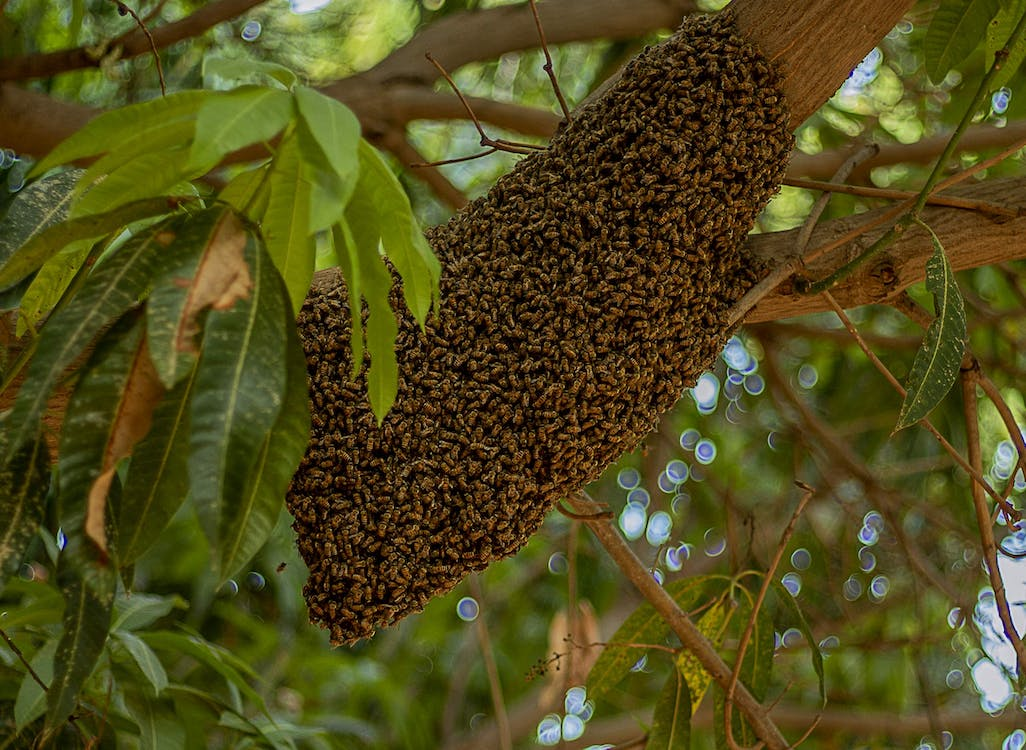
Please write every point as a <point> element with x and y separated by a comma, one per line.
<point>130,44</point>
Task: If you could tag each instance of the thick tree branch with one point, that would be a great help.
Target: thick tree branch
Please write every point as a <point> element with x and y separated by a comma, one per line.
<point>130,44</point>
<point>970,239</point>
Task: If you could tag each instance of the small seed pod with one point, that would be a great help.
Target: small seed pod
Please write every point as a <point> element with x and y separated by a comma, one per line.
<point>580,297</point>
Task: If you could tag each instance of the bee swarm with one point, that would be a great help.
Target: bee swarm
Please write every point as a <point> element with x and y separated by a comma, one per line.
<point>579,299</point>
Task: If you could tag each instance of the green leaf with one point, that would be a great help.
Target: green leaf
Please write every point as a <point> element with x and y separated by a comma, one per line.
<point>790,616</point>
<point>999,30</point>
<point>671,720</point>
<point>380,198</point>
<point>158,480</point>
<point>285,224</point>
<point>328,135</point>
<point>138,611</point>
<point>239,70</point>
<point>713,625</point>
<point>939,358</point>
<point>203,265</point>
<point>240,383</point>
<point>957,28</point>
<point>349,265</point>
<point>382,329</point>
<point>109,291</point>
<point>210,655</point>
<point>24,482</point>
<point>30,703</point>
<point>642,628</point>
<point>88,589</point>
<point>36,208</point>
<point>248,192</point>
<point>45,609</point>
<point>229,120</point>
<point>159,727</point>
<point>109,412</point>
<point>755,673</point>
<point>44,245</point>
<point>248,522</point>
<point>147,176</point>
<point>105,132</point>
<point>50,284</point>
<point>145,659</point>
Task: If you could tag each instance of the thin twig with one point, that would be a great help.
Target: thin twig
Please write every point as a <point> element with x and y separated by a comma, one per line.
<point>395,141</point>
<point>547,67</point>
<point>498,702</point>
<point>124,9</point>
<point>690,636</point>
<point>602,515</point>
<point>21,657</point>
<point>887,194</point>
<point>1010,512</point>
<point>746,637</point>
<point>983,519</point>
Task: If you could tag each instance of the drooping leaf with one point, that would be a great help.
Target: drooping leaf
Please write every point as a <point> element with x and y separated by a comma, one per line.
<point>939,358</point>
<point>328,136</point>
<point>50,284</point>
<point>286,223</point>
<point>159,727</point>
<point>45,607</point>
<point>105,132</point>
<point>108,292</point>
<point>203,266</point>
<point>380,199</point>
<point>349,265</point>
<point>88,588</point>
<point>158,480</point>
<point>109,412</point>
<point>146,176</point>
<point>789,615</point>
<point>45,244</point>
<point>30,703</point>
<point>382,329</point>
<point>958,27</point>
<point>35,208</point>
<point>136,611</point>
<point>713,625</point>
<point>671,720</point>
<point>229,120</point>
<point>755,675</point>
<point>247,192</point>
<point>643,627</point>
<point>149,665</point>
<point>24,482</point>
<point>999,31</point>
<point>248,521</point>
<point>240,384</point>
<point>240,71</point>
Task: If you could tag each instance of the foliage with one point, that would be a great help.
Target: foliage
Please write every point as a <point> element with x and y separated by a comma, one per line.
<point>159,306</point>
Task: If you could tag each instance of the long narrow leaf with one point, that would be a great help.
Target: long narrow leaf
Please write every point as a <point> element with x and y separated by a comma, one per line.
<point>240,383</point>
<point>23,486</point>
<point>148,175</point>
<point>149,665</point>
<point>229,120</point>
<point>958,27</point>
<point>790,616</point>
<point>671,720</point>
<point>159,727</point>
<point>36,208</point>
<point>349,265</point>
<point>937,362</point>
<point>248,522</point>
<point>998,32</point>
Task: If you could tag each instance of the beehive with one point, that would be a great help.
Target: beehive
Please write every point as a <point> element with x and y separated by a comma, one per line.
<point>579,298</point>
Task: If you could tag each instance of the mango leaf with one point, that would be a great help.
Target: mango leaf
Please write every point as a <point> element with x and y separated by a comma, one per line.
<point>109,412</point>
<point>999,30</point>
<point>247,192</point>
<point>158,480</point>
<point>146,176</point>
<point>24,482</point>
<point>50,284</point>
<point>135,611</point>
<point>236,71</point>
<point>106,132</point>
<point>788,616</point>
<point>713,625</point>
<point>240,382</point>
<point>229,120</point>
<point>42,609</point>
<point>159,727</point>
<point>349,265</point>
<point>37,207</point>
<point>211,656</point>
<point>755,675</point>
<point>939,358</point>
<point>382,329</point>
<point>203,266</point>
<point>249,520</point>
<point>30,702</point>
<point>957,28</point>
<point>379,200</point>
<point>643,627</point>
<point>107,293</point>
<point>144,659</point>
<point>671,720</point>
<point>88,588</point>
<point>286,223</point>
<point>328,135</point>
<point>45,244</point>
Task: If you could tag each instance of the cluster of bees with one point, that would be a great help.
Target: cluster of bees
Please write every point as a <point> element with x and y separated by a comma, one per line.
<point>580,297</point>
